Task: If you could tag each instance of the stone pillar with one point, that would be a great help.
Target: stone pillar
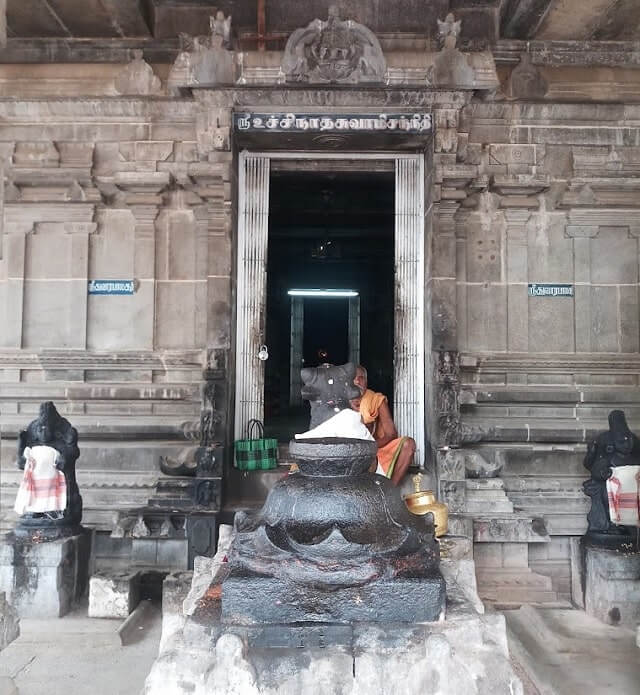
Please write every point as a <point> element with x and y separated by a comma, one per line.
<point>517,278</point>
<point>12,272</point>
<point>409,301</point>
<point>253,227</point>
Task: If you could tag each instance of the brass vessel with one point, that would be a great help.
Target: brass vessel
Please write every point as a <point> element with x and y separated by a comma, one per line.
<point>424,501</point>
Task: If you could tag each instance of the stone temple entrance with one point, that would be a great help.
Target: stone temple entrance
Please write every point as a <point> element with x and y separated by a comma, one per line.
<point>278,251</point>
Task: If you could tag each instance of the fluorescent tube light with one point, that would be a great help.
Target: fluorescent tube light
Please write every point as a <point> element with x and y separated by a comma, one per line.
<point>323,293</point>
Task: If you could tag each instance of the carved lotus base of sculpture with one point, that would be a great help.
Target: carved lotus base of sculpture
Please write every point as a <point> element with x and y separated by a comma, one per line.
<point>333,543</point>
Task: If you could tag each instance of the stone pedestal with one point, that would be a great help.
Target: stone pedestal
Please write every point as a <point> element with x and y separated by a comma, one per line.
<point>113,595</point>
<point>466,653</point>
<point>44,580</point>
<point>612,585</point>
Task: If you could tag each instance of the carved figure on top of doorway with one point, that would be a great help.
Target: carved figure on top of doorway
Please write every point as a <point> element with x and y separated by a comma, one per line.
<point>448,31</point>
<point>451,67</point>
<point>204,60</point>
<point>335,51</point>
<point>137,78</point>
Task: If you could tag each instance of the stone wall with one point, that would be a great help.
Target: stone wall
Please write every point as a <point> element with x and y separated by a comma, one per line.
<point>523,188</point>
<point>112,189</point>
<point>539,375</point>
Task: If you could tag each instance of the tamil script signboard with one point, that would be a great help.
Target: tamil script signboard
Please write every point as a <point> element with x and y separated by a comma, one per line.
<point>332,123</point>
<point>111,287</point>
<point>547,290</point>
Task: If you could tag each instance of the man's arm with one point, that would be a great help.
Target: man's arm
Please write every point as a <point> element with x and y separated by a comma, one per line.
<point>385,429</point>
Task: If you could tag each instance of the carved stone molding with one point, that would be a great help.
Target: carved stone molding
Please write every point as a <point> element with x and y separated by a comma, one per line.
<point>336,51</point>
<point>587,221</point>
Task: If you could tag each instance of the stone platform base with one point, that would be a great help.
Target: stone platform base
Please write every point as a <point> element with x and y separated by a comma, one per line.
<point>400,600</point>
<point>44,580</point>
<point>465,653</point>
<point>612,585</point>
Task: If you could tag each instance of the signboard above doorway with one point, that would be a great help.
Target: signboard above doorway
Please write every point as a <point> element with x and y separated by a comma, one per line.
<point>332,123</point>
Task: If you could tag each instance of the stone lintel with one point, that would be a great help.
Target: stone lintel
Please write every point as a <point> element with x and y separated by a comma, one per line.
<point>165,51</point>
<point>569,53</point>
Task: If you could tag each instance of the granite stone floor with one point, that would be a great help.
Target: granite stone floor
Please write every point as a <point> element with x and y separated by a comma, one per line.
<point>556,652</point>
<point>77,655</point>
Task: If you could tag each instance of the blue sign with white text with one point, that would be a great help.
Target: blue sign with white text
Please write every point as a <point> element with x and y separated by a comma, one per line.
<point>111,287</point>
<point>549,290</point>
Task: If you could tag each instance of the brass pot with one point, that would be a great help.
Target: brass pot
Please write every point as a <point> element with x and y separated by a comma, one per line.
<point>419,502</point>
<point>422,502</point>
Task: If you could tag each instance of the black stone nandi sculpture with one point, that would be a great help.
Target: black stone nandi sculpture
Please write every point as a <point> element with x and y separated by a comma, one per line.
<point>51,429</point>
<point>333,542</point>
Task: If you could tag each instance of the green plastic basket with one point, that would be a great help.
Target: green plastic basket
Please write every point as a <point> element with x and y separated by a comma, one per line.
<point>255,453</point>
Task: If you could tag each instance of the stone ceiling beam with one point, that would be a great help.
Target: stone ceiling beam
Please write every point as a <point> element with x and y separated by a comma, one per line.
<point>522,18</point>
<point>622,22</point>
<point>128,17</point>
<point>29,18</point>
<point>574,19</point>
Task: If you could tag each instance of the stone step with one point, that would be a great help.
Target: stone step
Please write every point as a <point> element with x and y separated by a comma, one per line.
<point>571,524</point>
<point>548,504</point>
<point>543,484</point>
<point>489,494</point>
<point>509,528</point>
<point>516,597</point>
<point>484,484</point>
<point>518,577</point>
<point>482,506</point>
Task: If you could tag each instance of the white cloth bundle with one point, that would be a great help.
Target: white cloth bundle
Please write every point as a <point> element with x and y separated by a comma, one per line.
<point>623,491</point>
<point>346,423</point>
<point>43,487</point>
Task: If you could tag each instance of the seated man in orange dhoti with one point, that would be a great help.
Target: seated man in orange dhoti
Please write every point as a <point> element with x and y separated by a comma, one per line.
<point>395,454</point>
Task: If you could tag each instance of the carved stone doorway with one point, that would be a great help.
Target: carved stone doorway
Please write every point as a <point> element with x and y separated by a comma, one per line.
<point>409,276</point>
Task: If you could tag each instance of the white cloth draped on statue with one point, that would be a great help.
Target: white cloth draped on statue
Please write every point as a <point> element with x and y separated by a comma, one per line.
<point>43,487</point>
<point>623,491</point>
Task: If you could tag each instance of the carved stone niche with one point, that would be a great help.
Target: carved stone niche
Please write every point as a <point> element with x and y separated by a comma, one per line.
<point>335,51</point>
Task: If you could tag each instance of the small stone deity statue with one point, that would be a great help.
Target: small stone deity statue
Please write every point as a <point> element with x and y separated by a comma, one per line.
<point>617,447</point>
<point>49,503</point>
<point>328,389</point>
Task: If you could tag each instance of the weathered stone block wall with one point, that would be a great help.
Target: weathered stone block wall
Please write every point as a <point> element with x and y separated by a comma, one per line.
<point>539,375</point>
<point>112,189</point>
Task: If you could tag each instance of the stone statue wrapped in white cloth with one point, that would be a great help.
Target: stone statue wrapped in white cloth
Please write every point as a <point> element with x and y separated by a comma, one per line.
<point>43,487</point>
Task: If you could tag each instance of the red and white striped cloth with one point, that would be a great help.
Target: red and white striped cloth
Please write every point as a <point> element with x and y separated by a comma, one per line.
<point>623,490</point>
<point>43,487</point>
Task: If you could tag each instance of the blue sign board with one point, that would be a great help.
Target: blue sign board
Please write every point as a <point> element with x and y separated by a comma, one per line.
<point>548,290</point>
<point>111,287</point>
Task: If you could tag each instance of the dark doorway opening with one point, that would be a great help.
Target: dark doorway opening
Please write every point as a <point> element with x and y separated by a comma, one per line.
<point>325,336</point>
<point>327,231</point>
